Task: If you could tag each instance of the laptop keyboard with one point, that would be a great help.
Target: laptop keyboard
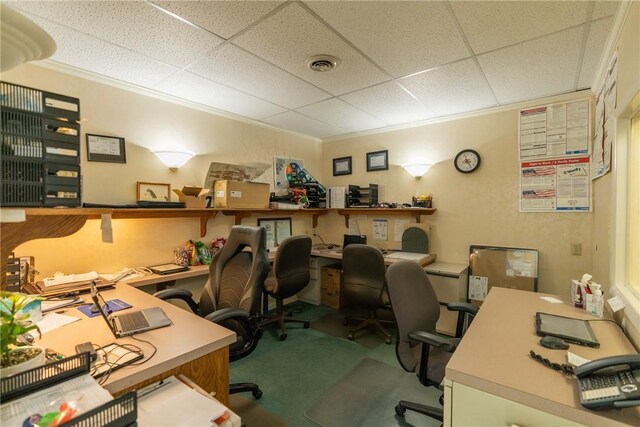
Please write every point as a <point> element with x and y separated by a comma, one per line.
<point>133,321</point>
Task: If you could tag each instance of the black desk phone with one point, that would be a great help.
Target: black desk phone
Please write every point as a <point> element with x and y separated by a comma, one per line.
<point>610,382</point>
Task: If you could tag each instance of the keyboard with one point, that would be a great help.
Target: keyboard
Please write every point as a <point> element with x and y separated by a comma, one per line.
<point>133,321</point>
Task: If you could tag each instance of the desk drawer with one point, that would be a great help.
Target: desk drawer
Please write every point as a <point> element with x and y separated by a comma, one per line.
<point>330,299</point>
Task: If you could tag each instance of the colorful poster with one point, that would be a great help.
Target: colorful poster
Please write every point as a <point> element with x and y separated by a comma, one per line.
<point>557,185</point>
<point>555,130</point>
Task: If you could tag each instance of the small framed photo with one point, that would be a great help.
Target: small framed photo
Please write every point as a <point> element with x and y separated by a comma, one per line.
<point>378,161</point>
<point>101,148</point>
<point>342,166</point>
<point>154,192</point>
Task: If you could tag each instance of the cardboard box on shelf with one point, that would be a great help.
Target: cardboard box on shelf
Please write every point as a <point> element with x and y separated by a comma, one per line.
<point>193,197</point>
<point>241,194</point>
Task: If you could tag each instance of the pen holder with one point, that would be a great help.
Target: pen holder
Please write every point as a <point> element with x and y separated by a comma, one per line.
<point>181,256</point>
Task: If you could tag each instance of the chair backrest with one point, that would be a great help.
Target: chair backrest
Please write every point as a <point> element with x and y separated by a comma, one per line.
<point>362,276</point>
<point>291,266</point>
<point>236,276</point>
<point>415,306</point>
<point>416,240</point>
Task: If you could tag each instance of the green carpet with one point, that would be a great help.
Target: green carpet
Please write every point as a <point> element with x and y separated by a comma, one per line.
<point>294,374</point>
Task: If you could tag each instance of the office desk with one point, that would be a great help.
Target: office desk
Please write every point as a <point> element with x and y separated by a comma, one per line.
<point>337,255</point>
<point>491,380</point>
<point>191,346</point>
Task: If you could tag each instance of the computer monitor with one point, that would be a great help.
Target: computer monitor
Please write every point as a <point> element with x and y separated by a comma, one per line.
<point>354,238</point>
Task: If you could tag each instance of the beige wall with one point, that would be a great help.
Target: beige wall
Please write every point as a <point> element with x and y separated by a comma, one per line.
<point>477,208</point>
<point>147,122</point>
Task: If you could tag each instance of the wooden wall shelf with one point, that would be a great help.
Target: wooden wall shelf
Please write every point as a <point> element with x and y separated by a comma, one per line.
<point>414,212</point>
<point>240,214</point>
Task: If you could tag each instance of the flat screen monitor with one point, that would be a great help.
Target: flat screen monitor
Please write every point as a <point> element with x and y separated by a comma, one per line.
<point>575,331</point>
<point>353,238</point>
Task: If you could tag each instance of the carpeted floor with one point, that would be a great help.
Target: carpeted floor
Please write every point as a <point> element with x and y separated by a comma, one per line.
<point>295,374</point>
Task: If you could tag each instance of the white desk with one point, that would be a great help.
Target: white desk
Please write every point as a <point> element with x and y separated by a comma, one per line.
<point>491,379</point>
<point>191,346</point>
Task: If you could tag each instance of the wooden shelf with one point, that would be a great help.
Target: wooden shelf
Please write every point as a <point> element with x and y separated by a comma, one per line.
<point>240,214</point>
<point>415,212</point>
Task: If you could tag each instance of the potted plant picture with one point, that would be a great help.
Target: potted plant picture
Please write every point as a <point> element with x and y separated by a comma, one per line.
<point>17,358</point>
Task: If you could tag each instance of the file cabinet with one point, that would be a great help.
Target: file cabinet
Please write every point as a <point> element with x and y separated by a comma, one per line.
<point>449,281</point>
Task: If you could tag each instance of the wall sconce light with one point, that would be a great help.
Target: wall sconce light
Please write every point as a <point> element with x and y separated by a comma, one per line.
<point>416,170</point>
<point>174,159</point>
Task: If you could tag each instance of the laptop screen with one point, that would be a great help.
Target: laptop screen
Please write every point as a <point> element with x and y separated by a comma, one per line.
<point>354,238</point>
<point>99,301</point>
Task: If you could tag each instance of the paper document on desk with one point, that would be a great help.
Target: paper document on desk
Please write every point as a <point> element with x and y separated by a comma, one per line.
<point>412,256</point>
<point>172,403</point>
<point>63,279</point>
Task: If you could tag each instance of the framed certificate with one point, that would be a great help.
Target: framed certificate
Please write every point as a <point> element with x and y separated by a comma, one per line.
<point>109,149</point>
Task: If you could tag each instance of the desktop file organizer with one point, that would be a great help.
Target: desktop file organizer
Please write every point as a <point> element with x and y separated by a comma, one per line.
<point>40,147</point>
<point>119,412</point>
<point>363,197</point>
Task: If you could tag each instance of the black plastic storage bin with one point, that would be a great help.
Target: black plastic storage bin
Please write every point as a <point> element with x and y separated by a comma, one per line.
<point>40,148</point>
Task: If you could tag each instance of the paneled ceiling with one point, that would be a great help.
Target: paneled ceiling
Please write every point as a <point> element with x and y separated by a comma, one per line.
<point>399,62</point>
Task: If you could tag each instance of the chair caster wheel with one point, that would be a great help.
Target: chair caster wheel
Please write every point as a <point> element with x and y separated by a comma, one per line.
<point>306,325</point>
<point>257,394</point>
<point>283,336</point>
<point>350,336</point>
<point>400,410</point>
<point>388,340</point>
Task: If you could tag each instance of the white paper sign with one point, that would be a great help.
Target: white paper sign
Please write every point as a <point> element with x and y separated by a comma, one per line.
<point>478,286</point>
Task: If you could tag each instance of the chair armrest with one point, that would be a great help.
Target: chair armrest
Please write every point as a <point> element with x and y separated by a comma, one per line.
<point>432,339</point>
<point>227,313</point>
<point>464,309</point>
<point>181,294</point>
<point>463,306</point>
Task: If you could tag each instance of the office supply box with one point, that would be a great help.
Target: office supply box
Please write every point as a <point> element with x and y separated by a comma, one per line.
<point>192,197</point>
<point>241,194</point>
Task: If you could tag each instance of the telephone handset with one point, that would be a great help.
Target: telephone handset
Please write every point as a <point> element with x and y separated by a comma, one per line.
<point>610,382</point>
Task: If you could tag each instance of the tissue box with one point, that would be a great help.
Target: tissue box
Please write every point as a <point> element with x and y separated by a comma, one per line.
<point>241,194</point>
<point>193,197</point>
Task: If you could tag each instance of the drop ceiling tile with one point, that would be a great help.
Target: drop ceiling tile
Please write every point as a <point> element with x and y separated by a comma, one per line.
<point>338,113</point>
<point>391,33</point>
<point>451,89</point>
<point>604,8</point>
<point>292,35</point>
<point>239,69</point>
<point>490,25</point>
<point>94,55</point>
<point>596,41</point>
<point>202,91</point>
<point>541,67</point>
<point>390,103</point>
<point>299,123</point>
<point>223,18</point>
<point>164,37</point>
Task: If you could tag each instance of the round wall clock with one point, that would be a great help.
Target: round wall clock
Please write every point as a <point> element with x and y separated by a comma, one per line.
<point>467,161</point>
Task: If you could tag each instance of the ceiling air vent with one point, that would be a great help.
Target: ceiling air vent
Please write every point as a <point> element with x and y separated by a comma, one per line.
<point>322,63</point>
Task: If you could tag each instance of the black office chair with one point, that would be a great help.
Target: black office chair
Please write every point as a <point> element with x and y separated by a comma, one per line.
<point>231,296</point>
<point>415,239</point>
<point>416,308</point>
<point>290,276</point>
<point>363,286</point>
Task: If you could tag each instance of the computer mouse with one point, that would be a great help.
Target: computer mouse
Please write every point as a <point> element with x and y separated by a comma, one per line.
<point>554,343</point>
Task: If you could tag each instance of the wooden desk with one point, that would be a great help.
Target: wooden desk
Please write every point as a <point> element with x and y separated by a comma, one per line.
<point>335,254</point>
<point>491,380</point>
<point>191,346</point>
<point>155,279</point>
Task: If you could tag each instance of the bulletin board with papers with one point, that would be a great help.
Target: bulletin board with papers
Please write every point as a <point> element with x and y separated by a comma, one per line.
<point>496,266</point>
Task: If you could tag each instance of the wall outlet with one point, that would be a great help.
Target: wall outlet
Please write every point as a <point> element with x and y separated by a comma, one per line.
<point>576,249</point>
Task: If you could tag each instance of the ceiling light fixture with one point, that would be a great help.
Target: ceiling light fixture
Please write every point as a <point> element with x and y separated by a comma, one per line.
<point>174,159</point>
<point>416,170</point>
<point>322,63</point>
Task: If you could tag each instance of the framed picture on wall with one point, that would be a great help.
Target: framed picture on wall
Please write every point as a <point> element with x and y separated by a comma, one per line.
<point>378,160</point>
<point>342,166</point>
<point>277,230</point>
<point>101,148</point>
<point>154,192</point>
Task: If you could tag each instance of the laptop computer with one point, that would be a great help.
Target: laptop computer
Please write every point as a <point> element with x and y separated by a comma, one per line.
<point>131,322</point>
<point>572,330</point>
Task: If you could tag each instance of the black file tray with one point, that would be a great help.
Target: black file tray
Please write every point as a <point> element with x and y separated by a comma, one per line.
<point>119,412</point>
